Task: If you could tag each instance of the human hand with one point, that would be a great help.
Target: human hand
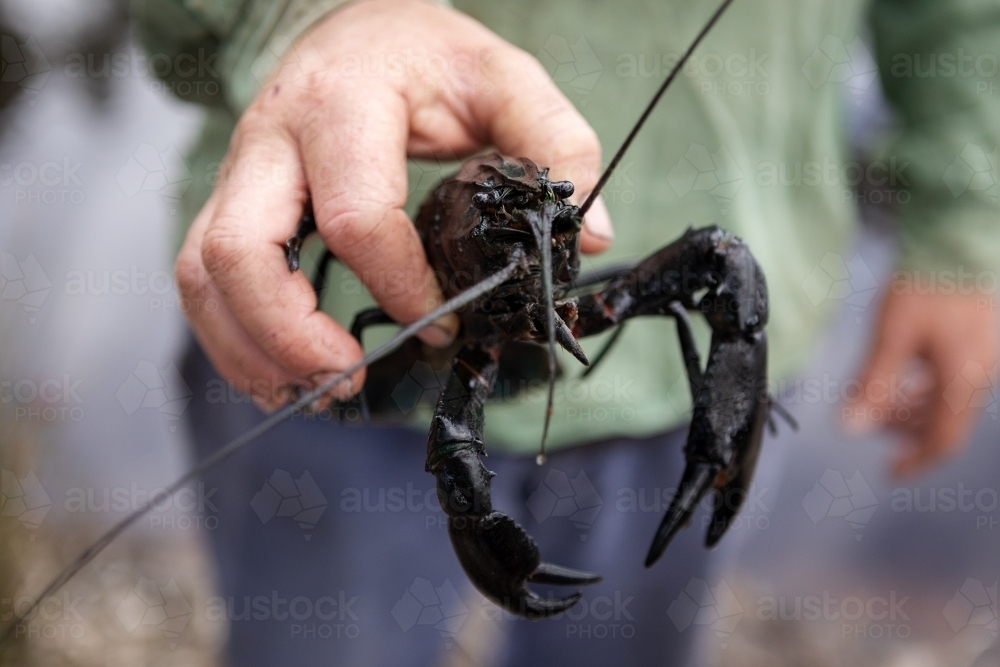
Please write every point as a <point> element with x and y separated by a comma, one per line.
<point>946,332</point>
<point>330,125</point>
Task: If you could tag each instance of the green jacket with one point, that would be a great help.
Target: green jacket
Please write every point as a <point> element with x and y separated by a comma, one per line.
<point>752,136</point>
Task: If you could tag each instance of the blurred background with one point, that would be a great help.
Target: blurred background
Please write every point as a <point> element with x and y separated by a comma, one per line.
<point>834,563</point>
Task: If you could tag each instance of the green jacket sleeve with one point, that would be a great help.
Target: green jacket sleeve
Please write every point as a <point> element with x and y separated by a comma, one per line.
<point>217,52</point>
<point>939,60</point>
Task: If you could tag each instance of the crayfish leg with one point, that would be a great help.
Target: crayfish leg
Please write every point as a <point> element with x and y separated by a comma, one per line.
<point>293,246</point>
<point>497,554</point>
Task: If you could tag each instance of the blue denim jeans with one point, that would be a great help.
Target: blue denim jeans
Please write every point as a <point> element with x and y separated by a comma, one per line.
<point>331,548</point>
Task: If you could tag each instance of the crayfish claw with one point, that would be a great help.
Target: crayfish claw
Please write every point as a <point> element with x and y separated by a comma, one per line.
<point>697,480</point>
<point>500,558</point>
<point>727,505</point>
<point>535,607</point>
<point>548,573</point>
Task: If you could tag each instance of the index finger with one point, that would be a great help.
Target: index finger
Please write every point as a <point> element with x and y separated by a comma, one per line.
<point>259,204</point>
<point>354,149</point>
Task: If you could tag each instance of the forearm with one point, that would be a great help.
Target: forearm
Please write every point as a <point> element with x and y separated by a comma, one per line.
<point>939,65</point>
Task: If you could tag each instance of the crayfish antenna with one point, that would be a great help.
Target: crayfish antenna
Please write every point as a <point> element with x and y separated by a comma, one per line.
<point>603,180</point>
<point>541,226</point>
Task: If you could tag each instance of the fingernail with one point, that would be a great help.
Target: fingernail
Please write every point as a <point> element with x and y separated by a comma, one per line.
<point>341,391</point>
<point>598,220</point>
<point>264,405</point>
<point>440,334</point>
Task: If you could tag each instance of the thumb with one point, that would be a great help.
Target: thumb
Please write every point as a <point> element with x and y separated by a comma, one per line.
<point>526,115</point>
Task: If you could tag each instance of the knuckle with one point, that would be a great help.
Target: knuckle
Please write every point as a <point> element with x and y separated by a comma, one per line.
<point>255,123</point>
<point>520,63</point>
<point>188,274</point>
<point>224,249</point>
<point>288,349</point>
<point>356,228</point>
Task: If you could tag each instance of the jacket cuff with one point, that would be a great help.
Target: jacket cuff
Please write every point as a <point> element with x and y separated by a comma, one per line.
<point>262,39</point>
<point>961,240</point>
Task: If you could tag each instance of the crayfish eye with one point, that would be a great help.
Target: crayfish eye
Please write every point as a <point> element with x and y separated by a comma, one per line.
<point>484,200</point>
<point>562,189</point>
